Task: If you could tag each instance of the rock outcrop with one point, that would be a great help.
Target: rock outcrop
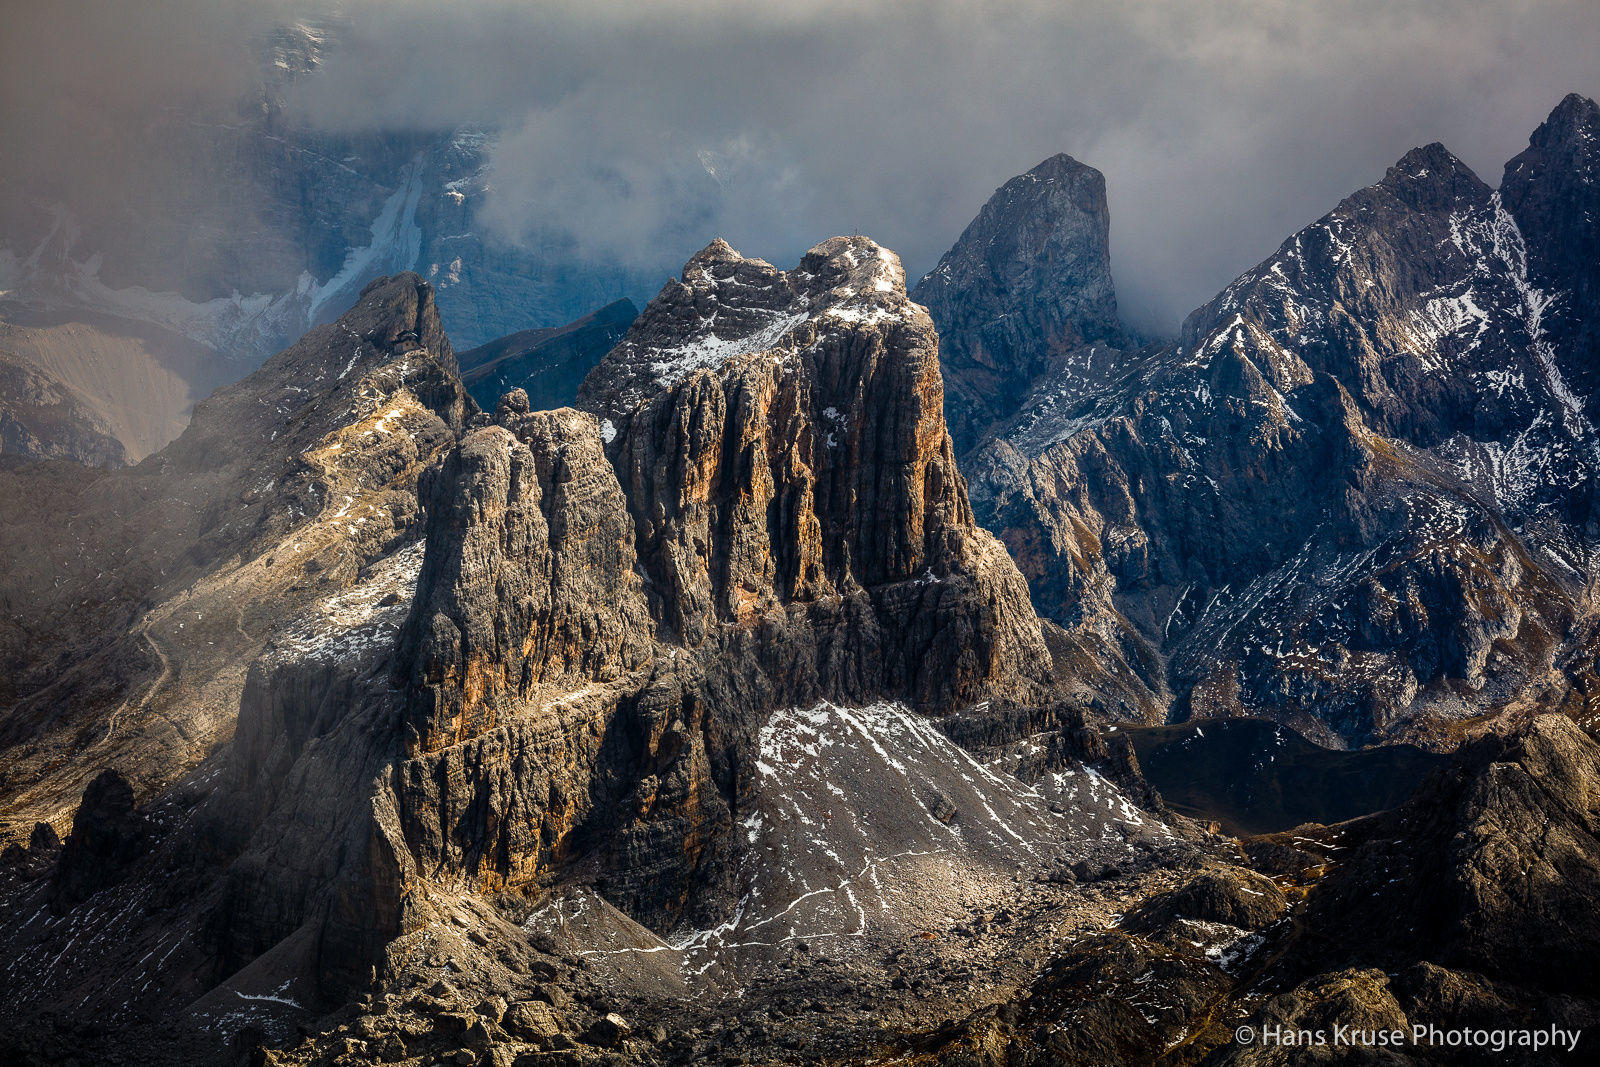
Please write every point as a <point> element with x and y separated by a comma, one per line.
<point>780,438</point>
<point>567,681</point>
<point>1470,906</point>
<point>762,511</point>
<point>529,577</point>
<point>1025,289</point>
<point>107,834</point>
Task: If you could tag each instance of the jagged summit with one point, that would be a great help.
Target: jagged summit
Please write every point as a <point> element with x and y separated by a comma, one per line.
<point>1431,177</point>
<point>728,305</point>
<point>718,251</point>
<point>830,272</point>
<point>1401,397</point>
<point>1552,190</point>
<point>1027,283</point>
<point>1057,167</point>
<point>1576,114</point>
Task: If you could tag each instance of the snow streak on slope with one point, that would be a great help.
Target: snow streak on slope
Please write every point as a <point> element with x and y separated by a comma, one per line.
<point>1510,247</point>
<point>396,245</point>
<point>867,825</point>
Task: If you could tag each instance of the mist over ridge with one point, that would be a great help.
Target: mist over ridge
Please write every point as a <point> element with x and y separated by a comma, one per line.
<point>640,134</point>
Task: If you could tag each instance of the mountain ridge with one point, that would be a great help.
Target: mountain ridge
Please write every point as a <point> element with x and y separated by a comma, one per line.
<point>1383,388</point>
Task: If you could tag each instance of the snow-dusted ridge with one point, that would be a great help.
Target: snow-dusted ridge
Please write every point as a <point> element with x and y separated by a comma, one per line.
<point>729,307</point>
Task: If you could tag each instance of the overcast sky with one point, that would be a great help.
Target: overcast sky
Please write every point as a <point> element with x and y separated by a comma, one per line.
<point>1221,126</point>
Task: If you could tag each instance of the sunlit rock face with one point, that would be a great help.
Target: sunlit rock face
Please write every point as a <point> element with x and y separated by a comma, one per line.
<point>762,510</point>
<point>574,669</point>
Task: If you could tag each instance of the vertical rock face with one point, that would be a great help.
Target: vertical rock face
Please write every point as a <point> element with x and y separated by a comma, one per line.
<point>1363,474</point>
<point>780,519</point>
<point>528,577</point>
<point>760,509</point>
<point>1028,282</point>
<point>1553,192</point>
<point>781,441</point>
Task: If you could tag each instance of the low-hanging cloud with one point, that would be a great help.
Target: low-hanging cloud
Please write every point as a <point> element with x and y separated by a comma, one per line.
<point>642,130</point>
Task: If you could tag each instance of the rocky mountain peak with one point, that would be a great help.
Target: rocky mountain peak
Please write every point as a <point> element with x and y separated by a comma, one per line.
<point>399,310</point>
<point>1028,281</point>
<point>1558,172</point>
<point>728,306</point>
<point>611,606</point>
<point>1552,190</point>
<point>1061,167</point>
<point>703,262</point>
<point>1425,349</point>
<point>1576,120</point>
<point>814,390</point>
<point>850,269</point>
<point>1431,178</point>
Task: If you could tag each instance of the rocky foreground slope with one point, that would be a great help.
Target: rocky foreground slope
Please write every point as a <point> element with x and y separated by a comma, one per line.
<point>134,600</point>
<point>1471,906</point>
<point>1357,494</point>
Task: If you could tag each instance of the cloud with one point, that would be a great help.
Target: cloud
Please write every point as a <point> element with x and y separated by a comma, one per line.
<point>83,81</point>
<point>643,130</point>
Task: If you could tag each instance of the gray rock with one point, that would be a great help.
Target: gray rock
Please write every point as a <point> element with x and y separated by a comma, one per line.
<point>1295,509</point>
<point>1028,281</point>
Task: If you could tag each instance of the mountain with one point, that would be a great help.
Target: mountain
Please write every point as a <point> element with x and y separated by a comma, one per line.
<point>1028,282</point>
<point>243,225</point>
<point>1356,494</point>
<point>548,364</point>
<point>134,600</point>
<point>667,683</point>
<point>231,232</point>
<point>705,720</point>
